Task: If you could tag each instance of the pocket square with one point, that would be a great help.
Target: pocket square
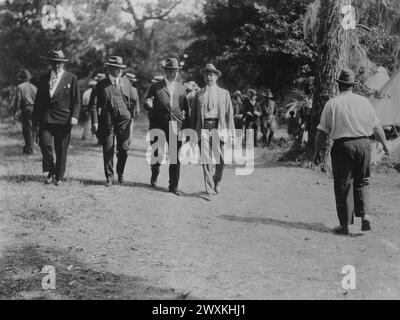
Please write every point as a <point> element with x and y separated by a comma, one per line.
<point>68,86</point>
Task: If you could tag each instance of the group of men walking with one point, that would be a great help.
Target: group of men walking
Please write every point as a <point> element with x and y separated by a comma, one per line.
<point>113,102</point>
<point>54,107</point>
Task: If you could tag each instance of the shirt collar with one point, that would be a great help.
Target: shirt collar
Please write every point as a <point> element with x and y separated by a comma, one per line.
<point>169,83</point>
<point>114,79</point>
<point>58,75</point>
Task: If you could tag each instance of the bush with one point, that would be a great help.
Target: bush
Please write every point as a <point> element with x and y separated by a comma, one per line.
<point>7,95</point>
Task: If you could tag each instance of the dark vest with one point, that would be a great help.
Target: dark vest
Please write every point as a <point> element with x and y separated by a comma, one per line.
<point>118,104</point>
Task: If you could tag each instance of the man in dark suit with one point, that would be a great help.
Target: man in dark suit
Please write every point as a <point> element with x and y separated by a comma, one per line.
<point>56,110</point>
<point>118,101</point>
<point>166,101</point>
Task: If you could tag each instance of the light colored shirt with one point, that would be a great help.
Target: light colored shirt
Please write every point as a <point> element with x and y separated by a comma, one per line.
<point>25,96</point>
<point>171,89</point>
<point>54,81</point>
<point>115,80</point>
<point>348,115</point>
<point>86,97</point>
<point>211,99</point>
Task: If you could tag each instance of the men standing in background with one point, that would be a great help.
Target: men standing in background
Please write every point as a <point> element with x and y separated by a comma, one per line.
<point>213,113</point>
<point>268,118</point>
<point>85,111</point>
<point>118,102</point>
<point>166,101</point>
<point>349,119</point>
<point>251,113</point>
<point>57,107</point>
<point>24,101</point>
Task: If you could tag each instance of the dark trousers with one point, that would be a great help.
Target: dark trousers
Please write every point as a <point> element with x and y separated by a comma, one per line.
<point>121,131</point>
<point>60,135</point>
<point>252,123</point>
<point>27,129</point>
<point>351,160</point>
<point>174,168</point>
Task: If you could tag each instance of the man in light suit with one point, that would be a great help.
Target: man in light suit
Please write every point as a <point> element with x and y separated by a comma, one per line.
<point>212,110</point>
<point>56,110</point>
<point>117,104</point>
<point>166,101</point>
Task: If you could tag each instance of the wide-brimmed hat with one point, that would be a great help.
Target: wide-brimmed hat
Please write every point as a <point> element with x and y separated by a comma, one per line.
<point>237,93</point>
<point>172,63</point>
<point>100,76</point>
<point>157,78</point>
<point>251,93</point>
<point>130,77</point>
<point>115,61</point>
<point>56,55</point>
<point>210,68</point>
<point>24,75</point>
<point>268,94</point>
<point>347,77</point>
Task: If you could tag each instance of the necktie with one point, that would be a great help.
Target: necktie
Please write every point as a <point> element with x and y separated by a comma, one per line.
<point>53,80</point>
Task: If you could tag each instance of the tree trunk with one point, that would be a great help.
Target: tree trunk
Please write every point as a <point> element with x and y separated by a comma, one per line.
<point>333,55</point>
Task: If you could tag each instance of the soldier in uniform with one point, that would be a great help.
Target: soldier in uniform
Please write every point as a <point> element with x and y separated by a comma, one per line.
<point>268,118</point>
<point>118,102</point>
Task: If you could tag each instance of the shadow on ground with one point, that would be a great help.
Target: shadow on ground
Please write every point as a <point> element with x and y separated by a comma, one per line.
<point>21,278</point>
<point>317,227</point>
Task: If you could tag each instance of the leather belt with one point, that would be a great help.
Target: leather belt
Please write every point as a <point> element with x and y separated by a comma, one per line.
<point>350,139</point>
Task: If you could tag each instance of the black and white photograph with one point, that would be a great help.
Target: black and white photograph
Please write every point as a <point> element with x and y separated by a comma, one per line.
<point>199,154</point>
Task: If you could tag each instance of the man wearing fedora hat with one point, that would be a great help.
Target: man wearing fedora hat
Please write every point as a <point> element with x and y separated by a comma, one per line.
<point>24,101</point>
<point>117,103</point>
<point>213,112</point>
<point>349,120</point>
<point>57,107</point>
<point>165,102</point>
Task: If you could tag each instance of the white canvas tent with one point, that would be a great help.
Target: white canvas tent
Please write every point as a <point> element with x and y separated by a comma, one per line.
<point>388,110</point>
<point>378,79</point>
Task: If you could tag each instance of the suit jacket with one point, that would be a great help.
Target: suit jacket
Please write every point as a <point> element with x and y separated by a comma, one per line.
<point>101,113</point>
<point>226,125</point>
<point>162,112</point>
<point>64,104</point>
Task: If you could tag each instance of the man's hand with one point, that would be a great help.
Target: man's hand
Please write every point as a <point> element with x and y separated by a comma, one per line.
<point>386,150</point>
<point>317,159</point>
<point>74,121</point>
<point>95,126</point>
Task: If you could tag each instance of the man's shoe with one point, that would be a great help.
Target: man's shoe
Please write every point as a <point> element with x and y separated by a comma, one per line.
<point>121,179</point>
<point>153,181</point>
<point>57,183</point>
<point>217,187</point>
<point>175,191</point>
<point>365,225</point>
<point>108,183</point>
<point>49,178</point>
<point>341,231</point>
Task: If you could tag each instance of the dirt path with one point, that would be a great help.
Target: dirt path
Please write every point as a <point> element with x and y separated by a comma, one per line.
<point>267,236</point>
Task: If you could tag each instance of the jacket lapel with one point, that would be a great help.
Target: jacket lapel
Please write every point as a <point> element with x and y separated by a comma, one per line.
<point>202,100</point>
<point>107,88</point>
<point>61,84</point>
<point>164,89</point>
